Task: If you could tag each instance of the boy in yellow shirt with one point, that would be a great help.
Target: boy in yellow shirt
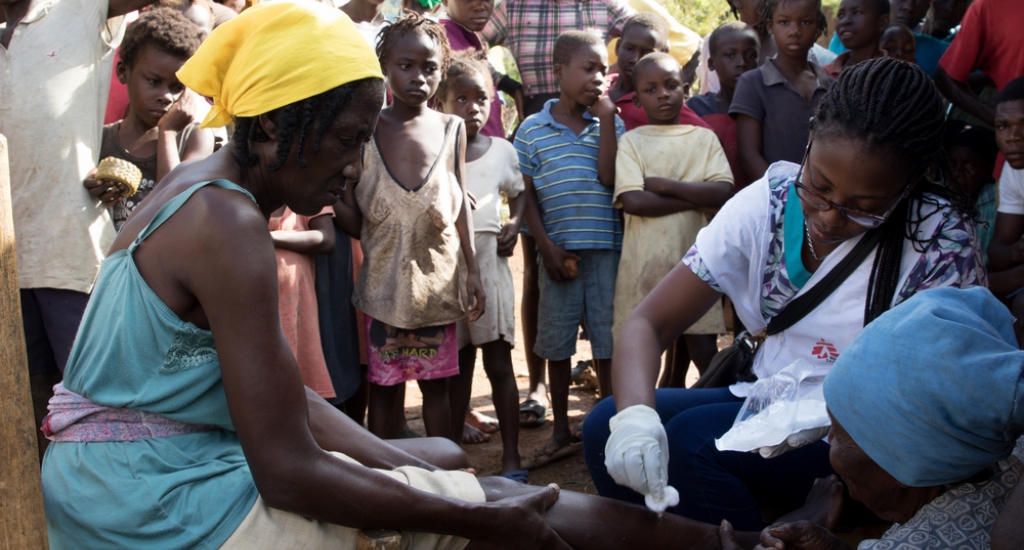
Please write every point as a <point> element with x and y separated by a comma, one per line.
<point>665,174</point>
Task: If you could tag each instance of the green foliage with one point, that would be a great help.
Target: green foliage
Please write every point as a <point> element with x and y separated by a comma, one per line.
<point>700,16</point>
<point>703,16</point>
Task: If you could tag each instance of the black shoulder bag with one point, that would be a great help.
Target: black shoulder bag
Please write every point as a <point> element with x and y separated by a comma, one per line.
<point>736,362</point>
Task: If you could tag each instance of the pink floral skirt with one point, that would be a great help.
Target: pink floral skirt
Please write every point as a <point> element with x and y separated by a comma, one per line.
<point>397,355</point>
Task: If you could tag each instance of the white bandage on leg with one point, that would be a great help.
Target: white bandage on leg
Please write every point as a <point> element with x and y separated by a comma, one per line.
<point>636,456</point>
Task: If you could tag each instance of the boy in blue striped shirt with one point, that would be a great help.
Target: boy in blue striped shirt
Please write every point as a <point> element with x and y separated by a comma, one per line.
<point>567,157</point>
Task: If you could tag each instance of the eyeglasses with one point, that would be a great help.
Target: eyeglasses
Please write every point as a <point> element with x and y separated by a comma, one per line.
<point>820,203</point>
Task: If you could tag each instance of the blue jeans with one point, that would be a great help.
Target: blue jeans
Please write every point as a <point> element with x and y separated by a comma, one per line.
<point>713,485</point>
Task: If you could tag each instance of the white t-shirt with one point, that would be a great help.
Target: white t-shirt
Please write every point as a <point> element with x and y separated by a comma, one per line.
<point>742,254</point>
<point>1011,191</point>
<point>54,81</point>
<point>496,172</point>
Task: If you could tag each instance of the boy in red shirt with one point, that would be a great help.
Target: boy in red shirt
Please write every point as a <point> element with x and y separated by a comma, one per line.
<point>642,34</point>
<point>734,49</point>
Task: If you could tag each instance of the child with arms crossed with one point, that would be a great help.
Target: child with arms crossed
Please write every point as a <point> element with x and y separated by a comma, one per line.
<point>665,173</point>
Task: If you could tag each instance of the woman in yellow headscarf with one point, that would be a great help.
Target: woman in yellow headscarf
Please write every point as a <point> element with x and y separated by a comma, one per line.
<point>182,421</point>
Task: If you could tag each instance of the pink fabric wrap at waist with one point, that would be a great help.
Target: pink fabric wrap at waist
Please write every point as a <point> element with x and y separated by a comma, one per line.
<point>76,419</point>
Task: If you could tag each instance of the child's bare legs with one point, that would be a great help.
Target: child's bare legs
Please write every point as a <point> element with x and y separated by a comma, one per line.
<point>528,310</point>
<point>381,420</point>
<point>355,407</point>
<point>401,423</point>
<point>604,377</point>
<point>588,522</point>
<point>677,361</point>
<point>498,364</point>
<point>437,412</point>
<point>460,389</point>
<point>559,372</point>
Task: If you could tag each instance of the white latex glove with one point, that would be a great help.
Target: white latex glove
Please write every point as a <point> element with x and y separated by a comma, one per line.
<point>794,441</point>
<point>636,456</point>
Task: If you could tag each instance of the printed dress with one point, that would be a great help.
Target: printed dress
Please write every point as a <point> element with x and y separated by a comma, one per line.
<point>408,286</point>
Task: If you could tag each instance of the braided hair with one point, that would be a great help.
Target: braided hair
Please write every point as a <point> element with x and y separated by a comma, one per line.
<point>767,11</point>
<point>465,63</point>
<point>893,108</point>
<point>296,119</point>
<point>412,22</point>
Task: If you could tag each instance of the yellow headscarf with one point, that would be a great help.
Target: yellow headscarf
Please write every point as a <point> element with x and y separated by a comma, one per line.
<point>275,54</point>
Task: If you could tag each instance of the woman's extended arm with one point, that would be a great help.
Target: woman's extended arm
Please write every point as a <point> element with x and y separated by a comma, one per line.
<point>233,276</point>
<point>678,301</point>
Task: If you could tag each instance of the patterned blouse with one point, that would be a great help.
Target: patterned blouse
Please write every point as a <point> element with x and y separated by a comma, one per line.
<point>962,517</point>
<point>951,259</point>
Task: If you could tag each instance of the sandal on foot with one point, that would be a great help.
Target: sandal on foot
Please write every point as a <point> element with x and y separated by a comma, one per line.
<point>533,406</point>
<point>520,476</point>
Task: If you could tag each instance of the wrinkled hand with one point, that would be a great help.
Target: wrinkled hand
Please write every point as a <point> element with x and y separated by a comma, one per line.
<point>106,191</point>
<point>636,456</point>
<point>795,441</point>
<point>521,523</point>
<point>507,239</point>
<point>182,113</point>
<point>604,108</point>
<point>554,262</point>
<point>477,297</point>
<point>800,535</point>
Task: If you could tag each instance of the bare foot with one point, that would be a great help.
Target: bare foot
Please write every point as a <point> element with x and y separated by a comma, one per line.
<point>823,506</point>
<point>472,436</point>
<point>555,443</point>
<point>481,421</point>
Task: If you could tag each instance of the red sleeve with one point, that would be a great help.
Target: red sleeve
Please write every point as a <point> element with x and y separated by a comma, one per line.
<point>687,116</point>
<point>964,55</point>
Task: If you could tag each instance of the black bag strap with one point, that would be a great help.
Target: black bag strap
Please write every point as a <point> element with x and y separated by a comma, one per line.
<point>806,302</point>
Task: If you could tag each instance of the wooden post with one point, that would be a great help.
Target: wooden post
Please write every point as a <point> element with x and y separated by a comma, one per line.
<point>22,524</point>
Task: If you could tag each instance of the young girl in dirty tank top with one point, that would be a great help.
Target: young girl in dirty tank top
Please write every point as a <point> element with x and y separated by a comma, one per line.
<point>412,215</point>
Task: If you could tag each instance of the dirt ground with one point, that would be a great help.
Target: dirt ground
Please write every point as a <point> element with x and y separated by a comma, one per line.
<point>569,472</point>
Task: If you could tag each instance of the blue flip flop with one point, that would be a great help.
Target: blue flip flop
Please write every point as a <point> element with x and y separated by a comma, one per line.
<point>521,476</point>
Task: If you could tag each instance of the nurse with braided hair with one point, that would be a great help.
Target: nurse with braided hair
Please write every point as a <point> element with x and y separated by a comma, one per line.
<point>874,166</point>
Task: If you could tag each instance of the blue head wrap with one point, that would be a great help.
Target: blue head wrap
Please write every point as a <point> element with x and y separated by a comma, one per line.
<point>932,390</point>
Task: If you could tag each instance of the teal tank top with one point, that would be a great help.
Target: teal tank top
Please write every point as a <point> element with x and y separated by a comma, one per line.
<point>132,351</point>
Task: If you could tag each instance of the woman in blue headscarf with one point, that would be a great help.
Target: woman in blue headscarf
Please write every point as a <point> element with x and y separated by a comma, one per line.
<point>923,434</point>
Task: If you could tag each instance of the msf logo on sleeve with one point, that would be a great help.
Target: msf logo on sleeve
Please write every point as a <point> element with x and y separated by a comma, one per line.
<point>825,351</point>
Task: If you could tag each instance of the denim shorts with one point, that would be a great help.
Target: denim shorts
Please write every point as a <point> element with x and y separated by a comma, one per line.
<point>587,298</point>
